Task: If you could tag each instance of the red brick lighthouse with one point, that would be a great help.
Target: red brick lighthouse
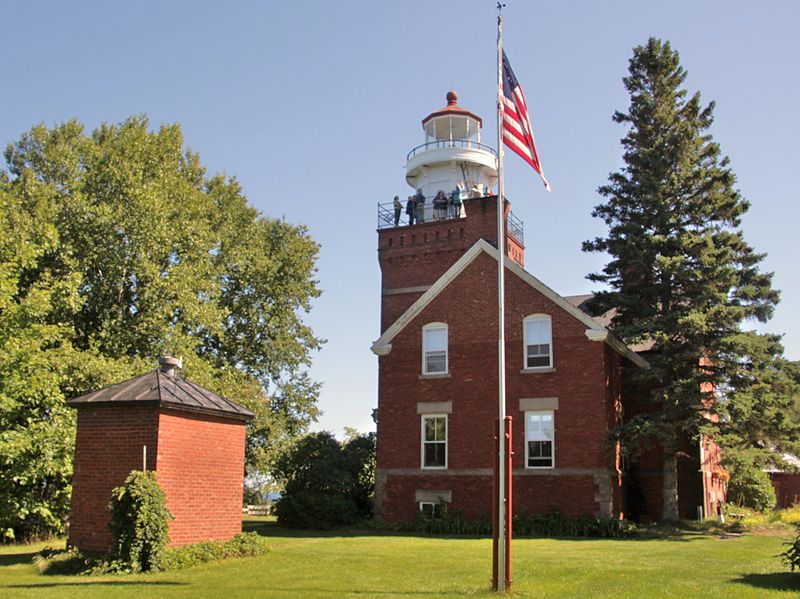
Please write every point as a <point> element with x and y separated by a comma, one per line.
<point>437,393</point>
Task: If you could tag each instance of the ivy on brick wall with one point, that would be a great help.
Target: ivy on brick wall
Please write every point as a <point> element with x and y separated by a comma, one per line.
<point>139,522</point>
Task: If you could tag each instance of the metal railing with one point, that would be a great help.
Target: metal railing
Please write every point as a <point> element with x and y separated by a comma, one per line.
<point>386,213</point>
<point>455,143</point>
<point>514,225</point>
<point>515,228</point>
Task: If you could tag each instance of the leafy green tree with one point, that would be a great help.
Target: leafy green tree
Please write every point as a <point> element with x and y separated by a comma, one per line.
<point>749,485</point>
<point>680,274</point>
<point>327,483</point>
<point>117,247</point>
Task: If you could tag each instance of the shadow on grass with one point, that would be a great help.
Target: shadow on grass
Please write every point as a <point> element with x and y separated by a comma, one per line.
<point>663,533</point>
<point>13,559</point>
<point>779,581</point>
<point>98,583</point>
<point>325,591</point>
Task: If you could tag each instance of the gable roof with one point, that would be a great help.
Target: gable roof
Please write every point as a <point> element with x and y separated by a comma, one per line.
<point>595,330</point>
<point>158,388</point>
<point>582,303</point>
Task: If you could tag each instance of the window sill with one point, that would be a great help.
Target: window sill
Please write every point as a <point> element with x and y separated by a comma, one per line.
<point>442,375</point>
<point>540,467</point>
<point>541,369</point>
<point>433,468</point>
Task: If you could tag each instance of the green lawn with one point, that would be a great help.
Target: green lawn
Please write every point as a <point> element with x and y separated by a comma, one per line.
<point>371,565</point>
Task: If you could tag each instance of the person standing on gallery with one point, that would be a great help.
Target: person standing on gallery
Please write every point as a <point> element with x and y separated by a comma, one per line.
<point>440,206</point>
<point>411,210</point>
<point>398,208</point>
<point>420,200</point>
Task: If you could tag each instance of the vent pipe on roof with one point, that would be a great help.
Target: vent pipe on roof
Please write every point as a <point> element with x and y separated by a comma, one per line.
<point>168,365</point>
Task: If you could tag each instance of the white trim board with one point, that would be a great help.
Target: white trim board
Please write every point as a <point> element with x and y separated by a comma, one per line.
<point>595,331</point>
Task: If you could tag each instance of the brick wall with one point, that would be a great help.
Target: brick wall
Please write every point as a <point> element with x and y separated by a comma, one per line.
<point>586,405</point>
<point>417,256</point>
<point>201,469</point>
<point>199,461</point>
<point>787,488</point>
<point>108,446</point>
<point>472,494</point>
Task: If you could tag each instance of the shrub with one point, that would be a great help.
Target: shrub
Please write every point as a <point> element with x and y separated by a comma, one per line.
<point>791,557</point>
<point>315,509</point>
<point>326,483</point>
<point>139,523</point>
<point>749,486</point>
<point>246,544</point>
<point>452,522</point>
<point>551,524</point>
<point>61,562</point>
<point>71,561</point>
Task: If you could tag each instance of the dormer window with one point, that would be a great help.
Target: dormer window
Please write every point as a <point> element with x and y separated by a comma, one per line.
<point>434,348</point>
<point>538,342</point>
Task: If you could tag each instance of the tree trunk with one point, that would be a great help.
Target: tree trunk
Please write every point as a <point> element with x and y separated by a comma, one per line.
<point>669,491</point>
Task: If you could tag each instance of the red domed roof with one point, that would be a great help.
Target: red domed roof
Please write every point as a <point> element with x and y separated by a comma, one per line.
<point>452,108</point>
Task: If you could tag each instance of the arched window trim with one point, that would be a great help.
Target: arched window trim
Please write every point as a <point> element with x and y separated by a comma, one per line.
<point>539,352</point>
<point>432,357</point>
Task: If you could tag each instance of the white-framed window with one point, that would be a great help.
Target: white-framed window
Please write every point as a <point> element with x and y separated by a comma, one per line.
<point>539,439</point>
<point>434,348</point>
<point>434,441</point>
<point>432,510</point>
<point>538,341</point>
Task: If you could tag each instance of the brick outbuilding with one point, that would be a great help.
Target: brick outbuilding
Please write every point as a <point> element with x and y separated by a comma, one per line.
<point>193,439</point>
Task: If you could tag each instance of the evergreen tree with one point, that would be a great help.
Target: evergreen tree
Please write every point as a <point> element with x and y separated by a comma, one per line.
<point>681,276</point>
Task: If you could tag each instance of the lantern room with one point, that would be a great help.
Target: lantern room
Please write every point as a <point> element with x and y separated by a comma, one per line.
<point>452,155</point>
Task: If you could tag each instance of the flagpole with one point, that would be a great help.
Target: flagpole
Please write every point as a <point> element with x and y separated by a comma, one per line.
<point>500,546</point>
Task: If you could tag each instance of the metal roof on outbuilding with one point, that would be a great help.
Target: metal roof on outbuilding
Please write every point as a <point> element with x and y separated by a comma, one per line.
<point>163,387</point>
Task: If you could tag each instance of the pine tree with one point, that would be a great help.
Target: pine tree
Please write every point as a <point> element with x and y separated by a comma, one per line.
<point>681,276</point>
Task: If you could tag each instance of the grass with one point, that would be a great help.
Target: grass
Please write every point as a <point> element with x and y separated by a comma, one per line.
<point>352,564</point>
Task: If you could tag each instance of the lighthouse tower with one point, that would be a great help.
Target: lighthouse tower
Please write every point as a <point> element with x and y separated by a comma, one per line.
<point>412,257</point>
<point>452,155</point>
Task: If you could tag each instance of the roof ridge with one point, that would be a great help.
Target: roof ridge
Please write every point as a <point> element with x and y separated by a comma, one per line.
<point>173,391</point>
<point>382,345</point>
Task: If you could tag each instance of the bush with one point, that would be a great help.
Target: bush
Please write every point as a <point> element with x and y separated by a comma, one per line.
<point>326,483</point>
<point>304,508</point>
<point>791,557</point>
<point>246,544</point>
<point>452,522</point>
<point>72,561</point>
<point>60,562</point>
<point>139,523</point>
<point>750,486</point>
<point>551,524</point>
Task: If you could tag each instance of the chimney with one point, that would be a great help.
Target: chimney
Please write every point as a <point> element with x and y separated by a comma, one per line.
<point>168,365</point>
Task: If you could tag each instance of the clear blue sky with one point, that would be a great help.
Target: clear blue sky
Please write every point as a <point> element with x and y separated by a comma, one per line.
<point>314,105</point>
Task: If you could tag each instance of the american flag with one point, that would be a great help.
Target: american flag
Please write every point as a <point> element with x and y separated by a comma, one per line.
<point>517,130</point>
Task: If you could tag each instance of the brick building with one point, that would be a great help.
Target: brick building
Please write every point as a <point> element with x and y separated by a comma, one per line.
<point>193,439</point>
<point>437,395</point>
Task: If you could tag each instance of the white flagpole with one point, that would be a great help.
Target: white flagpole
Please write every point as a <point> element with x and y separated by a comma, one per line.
<point>501,350</point>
